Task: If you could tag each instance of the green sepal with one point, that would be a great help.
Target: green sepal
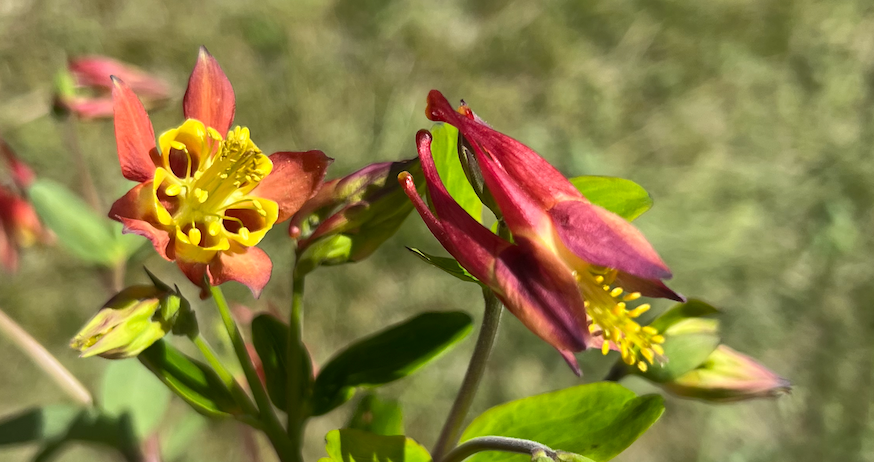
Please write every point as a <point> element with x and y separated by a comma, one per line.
<point>196,383</point>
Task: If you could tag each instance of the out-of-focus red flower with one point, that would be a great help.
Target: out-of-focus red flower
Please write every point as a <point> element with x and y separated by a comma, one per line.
<point>19,225</point>
<point>204,199</point>
<point>572,268</point>
<point>85,87</point>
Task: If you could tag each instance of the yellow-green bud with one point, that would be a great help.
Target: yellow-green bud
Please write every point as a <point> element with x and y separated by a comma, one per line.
<point>727,375</point>
<point>129,322</point>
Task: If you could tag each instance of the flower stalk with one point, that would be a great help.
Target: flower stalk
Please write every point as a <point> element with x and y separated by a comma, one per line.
<point>272,427</point>
<point>297,389</point>
<point>497,443</point>
<point>472,378</point>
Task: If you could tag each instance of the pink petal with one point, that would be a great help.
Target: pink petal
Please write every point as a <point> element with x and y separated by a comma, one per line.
<point>95,71</point>
<point>159,238</point>
<point>652,288</point>
<point>295,178</point>
<point>606,239</point>
<point>209,97</point>
<point>249,266</point>
<point>196,273</point>
<point>534,174</point>
<point>134,135</point>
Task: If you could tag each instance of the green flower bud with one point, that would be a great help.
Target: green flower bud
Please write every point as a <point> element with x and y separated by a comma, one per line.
<point>350,217</point>
<point>727,375</point>
<point>129,322</point>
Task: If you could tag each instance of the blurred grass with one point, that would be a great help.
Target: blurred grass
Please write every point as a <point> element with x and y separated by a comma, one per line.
<point>750,122</point>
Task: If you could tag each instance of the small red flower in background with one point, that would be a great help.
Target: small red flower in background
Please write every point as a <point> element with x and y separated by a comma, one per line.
<point>204,199</point>
<point>85,87</point>
<point>19,225</point>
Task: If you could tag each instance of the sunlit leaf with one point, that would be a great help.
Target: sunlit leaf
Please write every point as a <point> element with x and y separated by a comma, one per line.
<point>623,197</point>
<point>597,420</point>
<point>378,416</point>
<point>358,446</point>
<point>444,150</point>
<point>387,356</point>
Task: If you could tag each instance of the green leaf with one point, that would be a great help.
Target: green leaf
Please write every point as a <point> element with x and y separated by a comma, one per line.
<point>690,334</point>
<point>80,229</point>
<point>377,416</point>
<point>38,424</point>
<point>447,264</point>
<point>623,197</point>
<point>693,308</point>
<point>176,439</point>
<point>128,387</point>
<point>55,426</point>
<point>270,337</point>
<point>359,446</point>
<point>191,380</point>
<point>597,420</point>
<point>387,356</point>
<point>444,150</point>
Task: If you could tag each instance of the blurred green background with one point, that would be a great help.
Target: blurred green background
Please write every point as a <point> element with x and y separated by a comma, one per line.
<point>750,123</point>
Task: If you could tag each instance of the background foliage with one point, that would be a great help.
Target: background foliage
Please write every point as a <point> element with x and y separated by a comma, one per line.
<point>750,123</point>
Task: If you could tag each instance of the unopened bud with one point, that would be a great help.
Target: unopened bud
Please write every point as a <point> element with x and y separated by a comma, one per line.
<point>365,208</point>
<point>726,376</point>
<point>129,322</point>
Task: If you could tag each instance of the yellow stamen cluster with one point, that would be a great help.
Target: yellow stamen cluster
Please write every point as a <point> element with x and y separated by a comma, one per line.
<point>203,186</point>
<point>614,321</point>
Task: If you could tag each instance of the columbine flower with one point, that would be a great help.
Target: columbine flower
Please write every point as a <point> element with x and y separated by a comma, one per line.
<point>573,267</point>
<point>84,88</point>
<point>204,199</point>
<point>19,223</point>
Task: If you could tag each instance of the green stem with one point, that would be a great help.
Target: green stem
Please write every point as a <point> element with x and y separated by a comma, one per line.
<point>272,427</point>
<point>484,343</point>
<point>497,443</point>
<point>298,387</point>
<point>239,394</point>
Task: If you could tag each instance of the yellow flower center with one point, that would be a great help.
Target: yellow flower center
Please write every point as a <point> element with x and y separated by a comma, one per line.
<point>613,320</point>
<point>202,190</point>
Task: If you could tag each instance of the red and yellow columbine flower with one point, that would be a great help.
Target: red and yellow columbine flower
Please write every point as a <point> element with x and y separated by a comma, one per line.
<point>206,199</point>
<point>573,268</point>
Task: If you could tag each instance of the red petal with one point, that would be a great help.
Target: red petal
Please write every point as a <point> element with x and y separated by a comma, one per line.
<point>8,252</point>
<point>295,178</point>
<point>606,239</point>
<point>652,288</point>
<point>474,246</point>
<point>134,210</point>
<point>533,173</point>
<point>249,266</point>
<point>542,292</point>
<point>209,97</point>
<point>159,238</point>
<point>136,203</point>
<point>95,71</point>
<point>196,273</point>
<point>134,135</point>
